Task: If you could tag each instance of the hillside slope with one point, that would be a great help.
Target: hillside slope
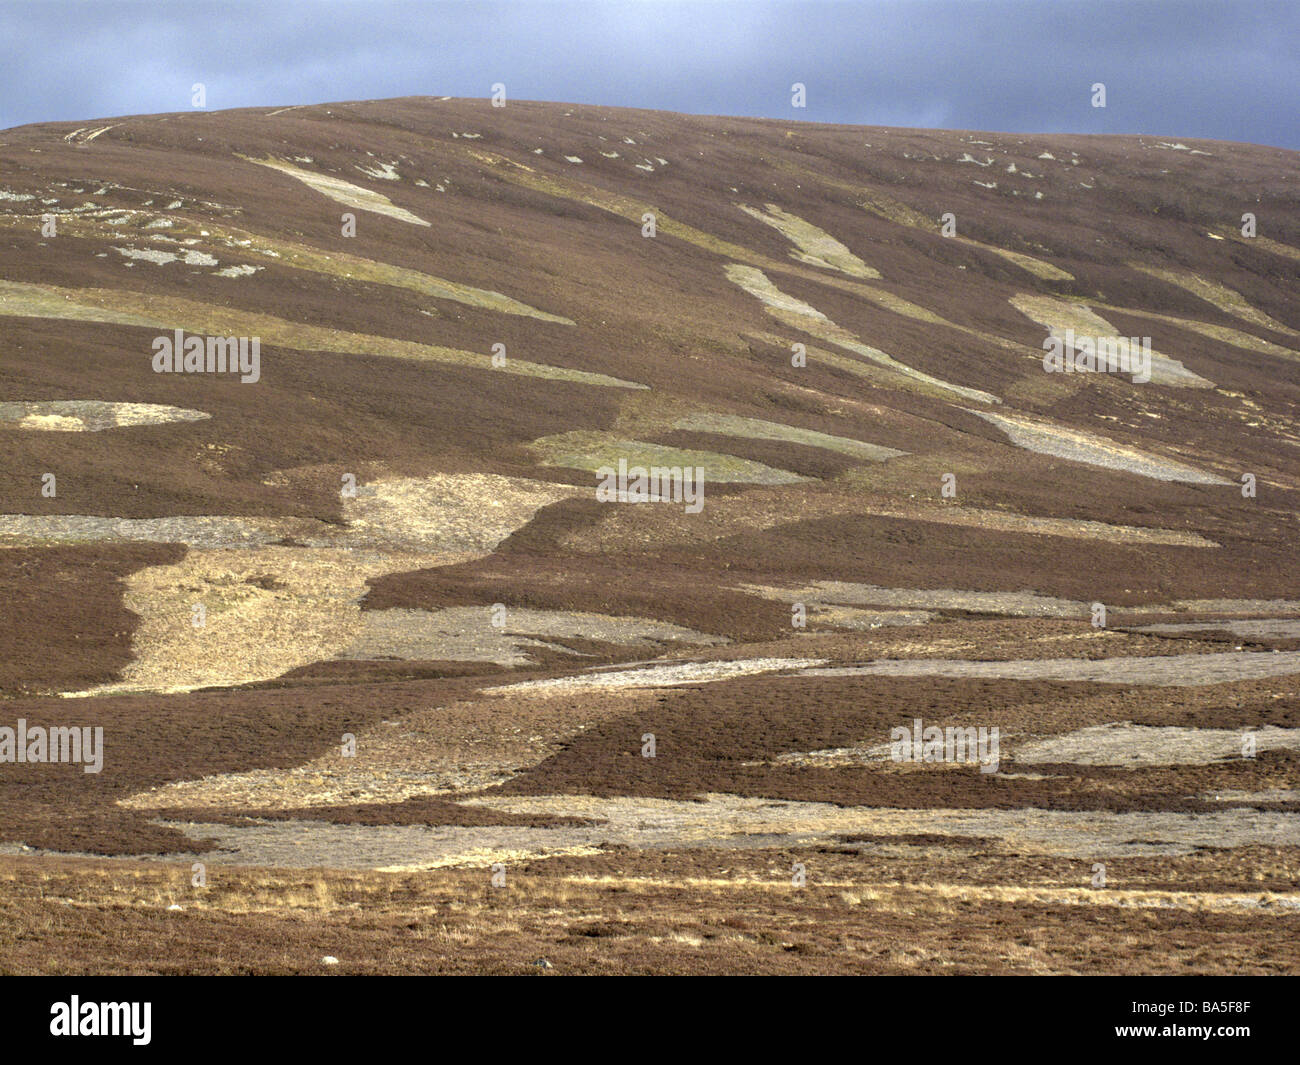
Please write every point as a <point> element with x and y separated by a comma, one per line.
<point>390,527</point>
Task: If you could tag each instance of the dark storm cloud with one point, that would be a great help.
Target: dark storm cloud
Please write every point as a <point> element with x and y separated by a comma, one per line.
<point>1224,70</point>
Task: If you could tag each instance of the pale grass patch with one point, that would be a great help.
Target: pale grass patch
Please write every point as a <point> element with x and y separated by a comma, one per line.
<point>314,614</point>
<point>90,415</point>
<point>411,758</point>
<point>344,192</point>
<point>1058,315</point>
<point>1217,295</point>
<point>283,252</point>
<point>590,450</point>
<point>167,313</point>
<point>1060,441</point>
<point>758,429</point>
<point>1274,247</point>
<point>816,247</point>
<point>802,316</point>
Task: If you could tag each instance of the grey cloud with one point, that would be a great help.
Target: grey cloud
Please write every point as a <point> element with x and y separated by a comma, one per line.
<point>1200,68</point>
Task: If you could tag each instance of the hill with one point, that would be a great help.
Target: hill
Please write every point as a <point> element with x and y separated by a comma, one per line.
<point>306,411</point>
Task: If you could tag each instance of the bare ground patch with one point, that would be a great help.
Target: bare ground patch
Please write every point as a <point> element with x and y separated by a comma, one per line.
<point>90,415</point>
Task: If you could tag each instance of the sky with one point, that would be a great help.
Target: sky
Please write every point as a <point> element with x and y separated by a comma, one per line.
<point>1218,69</point>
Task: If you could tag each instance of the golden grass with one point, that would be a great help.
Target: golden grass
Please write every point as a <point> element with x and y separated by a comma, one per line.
<point>1274,247</point>
<point>313,612</point>
<point>567,897</point>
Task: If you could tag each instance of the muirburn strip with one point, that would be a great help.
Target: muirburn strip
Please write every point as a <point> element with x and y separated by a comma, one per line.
<point>341,191</point>
<point>1160,671</point>
<point>1065,443</point>
<point>283,253</point>
<point>21,299</point>
<point>806,318</point>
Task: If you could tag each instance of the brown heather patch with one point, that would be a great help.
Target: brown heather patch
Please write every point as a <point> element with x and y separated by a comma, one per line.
<point>150,740</point>
<point>723,737</point>
<point>64,625</point>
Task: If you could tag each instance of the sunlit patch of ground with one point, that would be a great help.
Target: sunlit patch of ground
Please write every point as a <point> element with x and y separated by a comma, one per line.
<point>1140,745</point>
<point>107,224</point>
<point>443,512</point>
<point>1274,247</point>
<point>1014,604</point>
<point>22,300</point>
<point>90,415</point>
<point>267,610</point>
<point>1123,745</point>
<point>767,509</point>
<point>757,429</point>
<point>1239,606</point>
<point>623,206</point>
<point>857,618</point>
<point>1189,901</point>
<point>168,313</point>
<point>877,374</point>
<point>662,676</point>
<point>633,210</point>
<point>1009,521</point>
<point>1222,333</point>
<point>1268,795</point>
<point>841,757</point>
<point>254,628</point>
<point>885,207</point>
<point>1278,628</point>
<point>215,532</point>
<point>441,751</point>
<point>343,192</point>
<point>1061,442</point>
<point>471,633</point>
<point>816,246</point>
<point>1037,267</point>
<point>1161,671</point>
<point>586,450</point>
<point>725,822</point>
<point>1057,315</point>
<point>802,316</point>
